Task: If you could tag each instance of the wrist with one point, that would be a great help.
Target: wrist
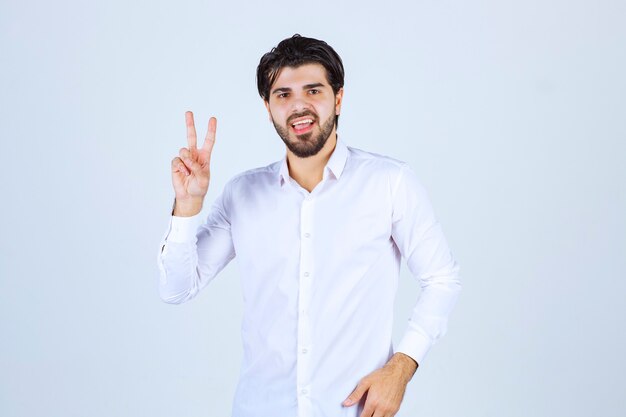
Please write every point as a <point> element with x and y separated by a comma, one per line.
<point>188,207</point>
<point>404,365</point>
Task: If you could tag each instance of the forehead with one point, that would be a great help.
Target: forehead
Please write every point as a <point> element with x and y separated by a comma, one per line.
<point>300,75</point>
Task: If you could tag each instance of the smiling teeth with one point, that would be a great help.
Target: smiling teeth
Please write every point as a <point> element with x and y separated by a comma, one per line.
<point>302,121</point>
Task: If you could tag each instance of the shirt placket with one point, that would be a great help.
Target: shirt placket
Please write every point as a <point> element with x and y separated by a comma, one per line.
<point>307,274</point>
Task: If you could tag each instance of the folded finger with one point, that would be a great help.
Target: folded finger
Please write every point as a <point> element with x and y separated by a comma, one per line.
<point>185,153</point>
<point>192,165</point>
<point>179,166</point>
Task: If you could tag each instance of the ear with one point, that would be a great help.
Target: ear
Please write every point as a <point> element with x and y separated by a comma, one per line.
<point>338,100</point>
<point>267,106</point>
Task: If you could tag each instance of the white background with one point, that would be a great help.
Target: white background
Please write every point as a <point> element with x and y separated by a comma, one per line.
<point>511,113</point>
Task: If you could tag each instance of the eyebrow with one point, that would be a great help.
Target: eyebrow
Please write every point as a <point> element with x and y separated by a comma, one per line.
<point>304,87</point>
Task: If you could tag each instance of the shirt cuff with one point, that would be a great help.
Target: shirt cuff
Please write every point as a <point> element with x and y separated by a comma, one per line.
<point>415,344</point>
<point>184,229</point>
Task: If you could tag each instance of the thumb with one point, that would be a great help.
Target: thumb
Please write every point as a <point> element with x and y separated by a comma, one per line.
<point>356,394</point>
<point>192,164</point>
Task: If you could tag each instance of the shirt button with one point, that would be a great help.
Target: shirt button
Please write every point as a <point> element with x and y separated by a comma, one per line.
<point>306,274</point>
<point>304,391</point>
<point>307,235</point>
<point>304,350</point>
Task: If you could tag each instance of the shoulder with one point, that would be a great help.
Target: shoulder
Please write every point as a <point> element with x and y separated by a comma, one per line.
<point>395,175</point>
<point>254,177</point>
<point>376,164</point>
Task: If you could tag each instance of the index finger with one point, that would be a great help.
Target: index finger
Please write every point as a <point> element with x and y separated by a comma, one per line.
<point>209,140</point>
<point>191,130</point>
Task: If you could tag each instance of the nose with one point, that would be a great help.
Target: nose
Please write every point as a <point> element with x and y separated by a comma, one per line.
<point>300,103</point>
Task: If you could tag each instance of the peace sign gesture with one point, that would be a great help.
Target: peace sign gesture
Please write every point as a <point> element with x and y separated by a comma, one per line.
<point>190,170</point>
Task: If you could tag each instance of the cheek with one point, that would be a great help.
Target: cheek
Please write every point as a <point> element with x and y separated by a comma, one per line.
<point>278,112</point>
<point>280,118</point>
<point>276,115</point>
<point>329,109</point>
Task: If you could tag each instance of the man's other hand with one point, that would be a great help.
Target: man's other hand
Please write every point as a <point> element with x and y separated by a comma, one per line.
<point>385,387</point>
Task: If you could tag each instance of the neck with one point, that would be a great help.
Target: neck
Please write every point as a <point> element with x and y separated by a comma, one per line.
<point>308,172</point>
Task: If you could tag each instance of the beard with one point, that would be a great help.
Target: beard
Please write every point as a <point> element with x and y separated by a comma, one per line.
<point>306,144</point>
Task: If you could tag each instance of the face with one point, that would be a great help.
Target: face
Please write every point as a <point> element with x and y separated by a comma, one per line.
<point>302,108</point>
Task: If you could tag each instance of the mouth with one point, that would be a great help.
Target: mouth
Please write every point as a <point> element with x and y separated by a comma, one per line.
<point>302,125</point>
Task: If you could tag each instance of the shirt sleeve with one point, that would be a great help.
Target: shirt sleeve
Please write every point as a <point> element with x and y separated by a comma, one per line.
<point>420,239</point>
<point>192,253</point>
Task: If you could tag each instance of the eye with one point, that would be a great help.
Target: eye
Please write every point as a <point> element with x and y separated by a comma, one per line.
<point>314,91</point>
<point>283,95</point>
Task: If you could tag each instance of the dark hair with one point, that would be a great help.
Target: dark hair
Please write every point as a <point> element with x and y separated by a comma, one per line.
<point>293,52</point>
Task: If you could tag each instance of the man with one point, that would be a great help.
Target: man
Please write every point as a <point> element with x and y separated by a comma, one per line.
<point>319,236</point>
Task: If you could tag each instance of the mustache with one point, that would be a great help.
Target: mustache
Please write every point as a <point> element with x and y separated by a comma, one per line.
<point>298,115</point>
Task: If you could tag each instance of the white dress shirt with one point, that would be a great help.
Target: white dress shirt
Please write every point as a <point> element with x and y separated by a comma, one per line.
<point>319,274</point>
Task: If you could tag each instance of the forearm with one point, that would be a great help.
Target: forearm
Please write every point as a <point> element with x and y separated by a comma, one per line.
<point>192,253</point>
<point>429,319</point>
<point>178,260</point>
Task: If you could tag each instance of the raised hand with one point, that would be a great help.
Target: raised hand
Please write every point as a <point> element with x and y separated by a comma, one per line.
<point>190,170</point>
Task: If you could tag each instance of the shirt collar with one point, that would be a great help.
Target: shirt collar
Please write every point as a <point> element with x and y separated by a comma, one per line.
<point>335,163</point>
